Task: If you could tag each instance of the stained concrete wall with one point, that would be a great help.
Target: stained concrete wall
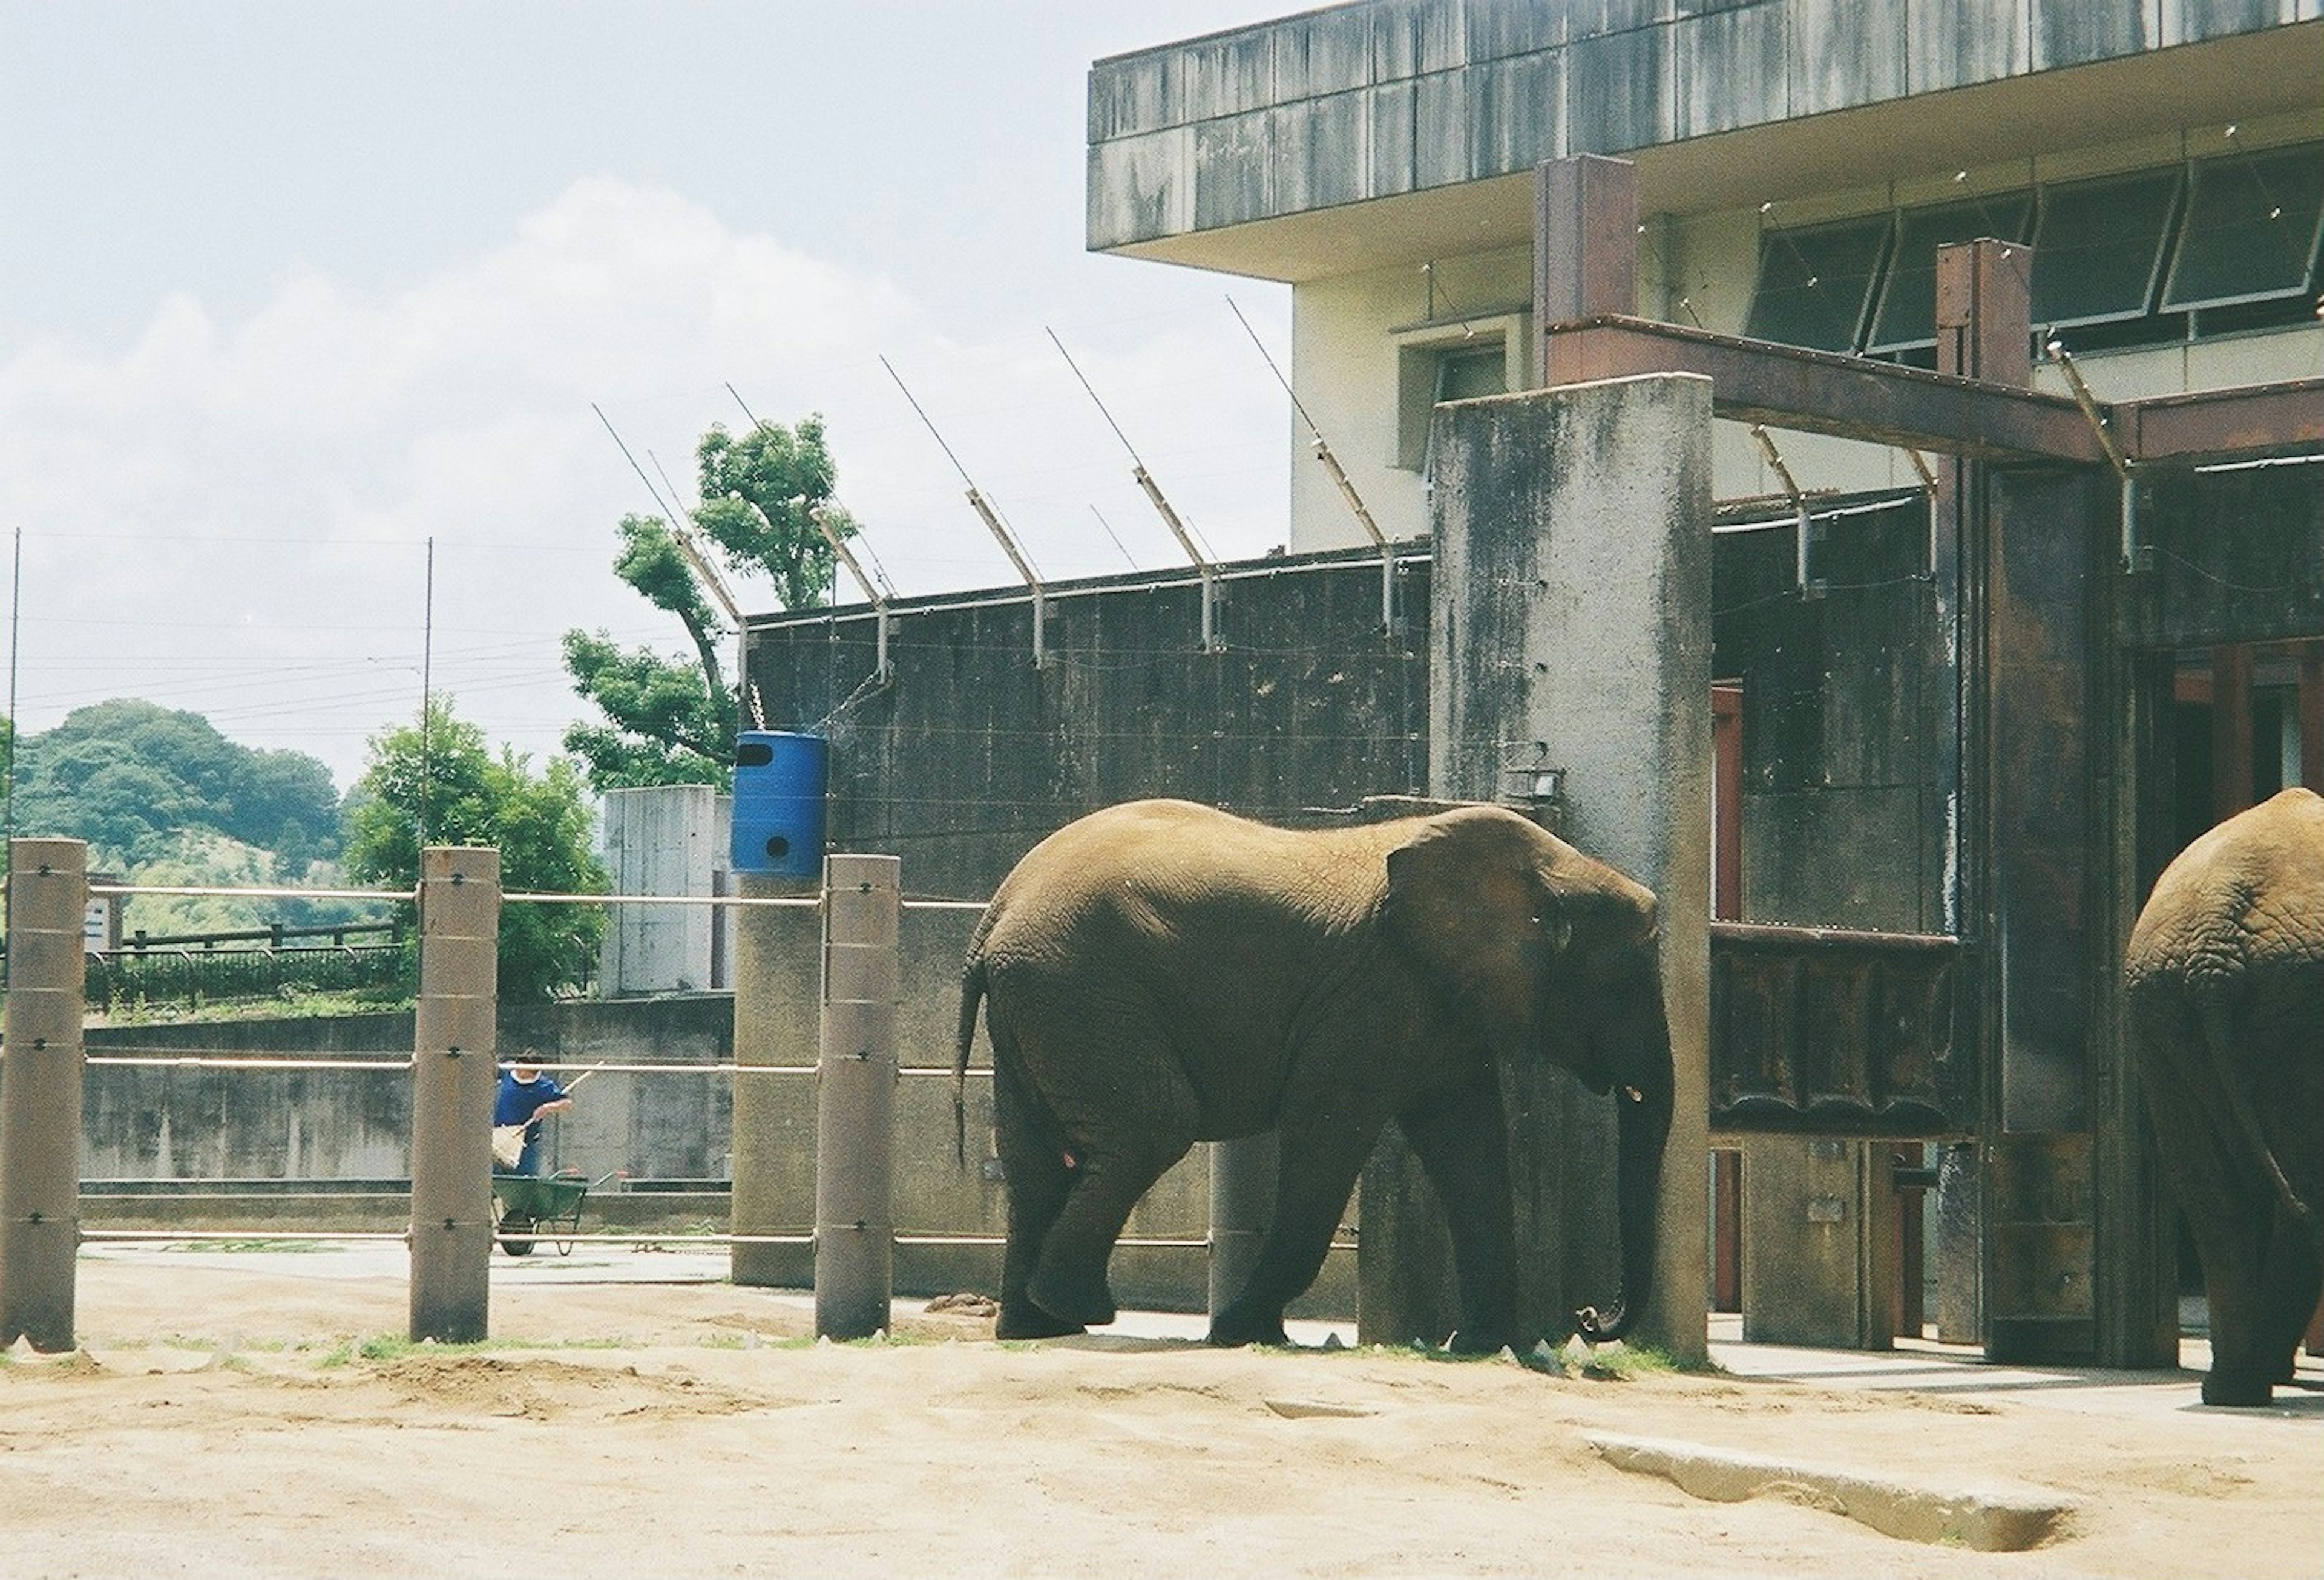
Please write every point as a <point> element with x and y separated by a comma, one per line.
<point>1572,629</point>
<point>971,754</point>
<point>1354,103</point>
<point>156,1123</point>
<point>666,839</point>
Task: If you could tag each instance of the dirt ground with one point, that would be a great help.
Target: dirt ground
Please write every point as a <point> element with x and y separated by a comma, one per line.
<point>222,1418</point>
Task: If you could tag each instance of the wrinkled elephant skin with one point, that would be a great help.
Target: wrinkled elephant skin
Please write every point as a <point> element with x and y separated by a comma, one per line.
<point>2225,998</point>
<point>1161,973</point>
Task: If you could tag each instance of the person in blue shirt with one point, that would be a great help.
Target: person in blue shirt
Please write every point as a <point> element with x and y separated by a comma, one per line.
<point>526,1095</point>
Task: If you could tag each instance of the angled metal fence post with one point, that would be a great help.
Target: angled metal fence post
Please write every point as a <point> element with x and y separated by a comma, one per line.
<point>855,1097</point>
<point>39,1092</point>
<point>454,1079</point>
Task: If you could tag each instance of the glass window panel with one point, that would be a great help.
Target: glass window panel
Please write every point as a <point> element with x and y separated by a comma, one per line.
<point>1814,281</point>
<point>1908,306</point>
<point>2098,247</point>
<point>1468,374</point>
<point>2251,230</point>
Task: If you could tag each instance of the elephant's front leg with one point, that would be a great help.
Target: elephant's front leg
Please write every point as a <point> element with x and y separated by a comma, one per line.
<point>1462,1141</point>
<point>1321,1155</point>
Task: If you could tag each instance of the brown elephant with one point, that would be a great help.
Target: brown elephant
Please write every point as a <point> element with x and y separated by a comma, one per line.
<point>1161,973</point>
<point>2224,999</point>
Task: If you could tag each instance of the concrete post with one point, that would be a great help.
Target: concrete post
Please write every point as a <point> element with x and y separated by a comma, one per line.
<point>777,995</point>
<point>1573,618</point>
<point>856,1096</point>
<point>1242,1209</point>
<point>454,1079</point>
<point>39,1092</point>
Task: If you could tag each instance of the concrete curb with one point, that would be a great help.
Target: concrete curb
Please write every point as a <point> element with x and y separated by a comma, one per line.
<point>1989,1518</point>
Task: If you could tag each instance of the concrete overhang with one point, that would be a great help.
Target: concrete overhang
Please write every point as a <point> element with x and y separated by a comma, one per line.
<point>2193,87</point>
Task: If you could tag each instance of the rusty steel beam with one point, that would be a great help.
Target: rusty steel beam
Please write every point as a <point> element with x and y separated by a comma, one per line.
<point>1820,393</point>
<point>2254,420</point>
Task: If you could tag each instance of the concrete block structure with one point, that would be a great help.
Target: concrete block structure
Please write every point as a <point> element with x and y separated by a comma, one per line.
<point>1798,162</point>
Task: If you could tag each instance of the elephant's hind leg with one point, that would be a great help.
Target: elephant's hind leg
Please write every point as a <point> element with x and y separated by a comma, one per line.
<point>1069,1281</point>
<point>2288,1291</point>
<point>1032,1152</point>
<point>1122,1132</point>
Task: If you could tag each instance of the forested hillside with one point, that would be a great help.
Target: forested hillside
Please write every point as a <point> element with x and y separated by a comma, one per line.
<point>162,797</point>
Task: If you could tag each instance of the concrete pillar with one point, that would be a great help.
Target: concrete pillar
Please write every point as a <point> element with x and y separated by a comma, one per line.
<point>777,1016</point>
<point>1242,1208</point>
<point>454,1079</point>
<point>39,1092</point>
<point>1572,629</point>
<point>855,1097</point>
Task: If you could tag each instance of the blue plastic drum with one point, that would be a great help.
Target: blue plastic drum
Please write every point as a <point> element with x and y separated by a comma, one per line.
<point>780,778</point>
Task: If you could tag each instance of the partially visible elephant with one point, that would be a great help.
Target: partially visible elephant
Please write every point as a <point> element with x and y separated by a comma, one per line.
<point>2225,989</point>
<point>1161,973</point>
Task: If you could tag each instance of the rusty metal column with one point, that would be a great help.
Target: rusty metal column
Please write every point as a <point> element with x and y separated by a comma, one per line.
<point>1242,1209</point>
<point>453,1082</point>
<point>855,1097</point>
<point>39,1092</point>
<point>1585,255</point>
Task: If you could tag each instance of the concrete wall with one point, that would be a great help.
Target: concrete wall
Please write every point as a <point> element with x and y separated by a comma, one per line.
<point>972,755</point>
<point>150,1123</point>
<point>1698,269</point>
<point>667,839</point>
<point>1380,100</point>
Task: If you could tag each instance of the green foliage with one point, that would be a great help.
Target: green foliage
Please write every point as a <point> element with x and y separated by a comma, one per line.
<point>133,779</point>
<point>669,721</point>
<point>785,474</point>
<point>468,797</point>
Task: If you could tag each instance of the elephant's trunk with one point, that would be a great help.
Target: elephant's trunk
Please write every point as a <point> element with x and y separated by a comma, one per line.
<point>1644,1115</point>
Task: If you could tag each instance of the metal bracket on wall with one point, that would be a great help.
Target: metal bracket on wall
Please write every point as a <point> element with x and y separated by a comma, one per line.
<point>1811,588</point>
<point>1535,789</point>
<point>883,672</point>
<point>2135,557</point>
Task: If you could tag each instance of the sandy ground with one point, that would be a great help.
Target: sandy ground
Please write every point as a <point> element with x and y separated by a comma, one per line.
<point>219,1421</point>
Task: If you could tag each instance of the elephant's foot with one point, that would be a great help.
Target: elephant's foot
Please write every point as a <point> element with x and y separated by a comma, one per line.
<point>1023,1319</point>
<point>2235,1390</point>
<point>1234,1327</point>
<point>1078,1299</point>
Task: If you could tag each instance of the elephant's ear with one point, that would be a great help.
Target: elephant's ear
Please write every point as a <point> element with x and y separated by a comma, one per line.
<point>1466,902</point>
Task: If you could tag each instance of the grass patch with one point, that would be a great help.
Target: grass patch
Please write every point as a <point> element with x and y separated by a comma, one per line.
<point>1619,1362</point>
<point>255,1243</point>
<point>394,1346</point>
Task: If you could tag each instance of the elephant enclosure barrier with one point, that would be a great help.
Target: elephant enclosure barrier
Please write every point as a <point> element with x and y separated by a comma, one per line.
<point>454,1069</point>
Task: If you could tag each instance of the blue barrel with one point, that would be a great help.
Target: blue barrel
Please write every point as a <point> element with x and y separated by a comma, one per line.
<point>779,787</point>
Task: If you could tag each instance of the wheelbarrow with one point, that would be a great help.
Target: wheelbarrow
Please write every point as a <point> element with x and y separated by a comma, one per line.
<point>527,1207</point>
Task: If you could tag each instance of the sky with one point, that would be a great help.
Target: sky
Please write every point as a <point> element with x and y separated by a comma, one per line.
<point>289,291</point>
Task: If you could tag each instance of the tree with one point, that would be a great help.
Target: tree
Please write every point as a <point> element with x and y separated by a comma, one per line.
<point>132,778</point>
<point>541,824</point>
<point>671,721</point>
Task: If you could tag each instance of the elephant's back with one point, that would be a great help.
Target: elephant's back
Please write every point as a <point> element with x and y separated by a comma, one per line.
<point>2247,896</point>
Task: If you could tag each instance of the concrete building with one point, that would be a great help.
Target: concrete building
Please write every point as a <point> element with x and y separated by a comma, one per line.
<point>1798,163</point>
<point>1990,689</point>
<point>1961,715</point>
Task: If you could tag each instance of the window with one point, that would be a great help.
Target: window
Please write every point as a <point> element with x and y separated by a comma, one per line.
<point>1908,306</point>
<point>1456,361</point>
<point>2252,229</point>
<point>2098,247</point>
<point>1814,282</point>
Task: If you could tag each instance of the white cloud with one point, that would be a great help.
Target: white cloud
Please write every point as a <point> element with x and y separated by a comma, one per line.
<point>228,516</point>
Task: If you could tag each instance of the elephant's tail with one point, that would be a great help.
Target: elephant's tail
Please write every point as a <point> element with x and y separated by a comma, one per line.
<point>971,991</point>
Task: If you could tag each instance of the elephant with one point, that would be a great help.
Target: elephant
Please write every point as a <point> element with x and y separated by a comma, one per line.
<point>2224,1002</point>
<point>1159,973</point>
